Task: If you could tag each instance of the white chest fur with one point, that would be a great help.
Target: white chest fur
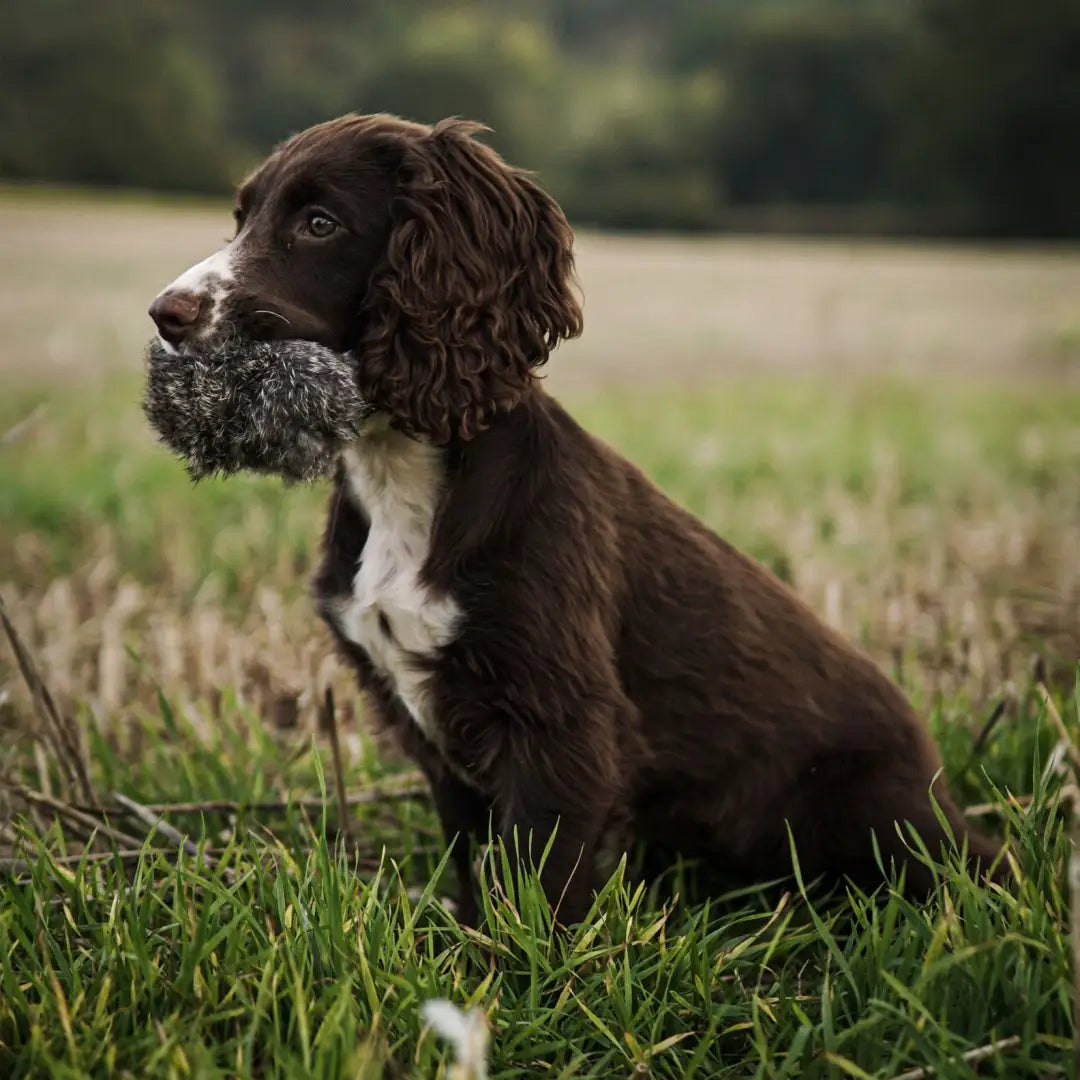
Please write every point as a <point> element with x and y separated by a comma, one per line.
<point>391,614</point>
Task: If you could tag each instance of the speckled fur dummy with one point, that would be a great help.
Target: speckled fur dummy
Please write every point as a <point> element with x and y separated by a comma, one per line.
<point>283,407</point>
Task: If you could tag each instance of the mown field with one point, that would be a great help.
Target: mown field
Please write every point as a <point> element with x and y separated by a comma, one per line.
<point>896,431</point>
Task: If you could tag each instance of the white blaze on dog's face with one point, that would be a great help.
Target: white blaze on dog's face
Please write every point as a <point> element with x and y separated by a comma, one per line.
<point>311,226</point>
<point>195,298</point>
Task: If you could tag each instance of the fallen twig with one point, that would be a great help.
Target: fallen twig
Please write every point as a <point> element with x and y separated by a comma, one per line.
<point>408,786</point>
<point>980,1053</point>
<point>174,836</point>
<point>20,867</point>
<point>983,809</point>
<point>157,822</point>
<point>16,866</point>
<point>85,821</point>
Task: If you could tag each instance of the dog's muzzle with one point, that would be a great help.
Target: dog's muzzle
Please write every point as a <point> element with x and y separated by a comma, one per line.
<point>284,407</point>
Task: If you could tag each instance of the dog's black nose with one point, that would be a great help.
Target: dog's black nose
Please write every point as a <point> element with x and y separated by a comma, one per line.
<point>175,313</point>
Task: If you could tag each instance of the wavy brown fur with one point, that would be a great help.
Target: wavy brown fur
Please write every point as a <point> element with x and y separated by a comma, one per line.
<point>475,291</point>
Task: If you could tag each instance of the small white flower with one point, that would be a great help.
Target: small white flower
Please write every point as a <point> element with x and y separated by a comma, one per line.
<point>466,1031</point>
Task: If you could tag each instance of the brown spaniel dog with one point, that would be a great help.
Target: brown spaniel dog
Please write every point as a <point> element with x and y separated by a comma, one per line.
<point>553,640</point>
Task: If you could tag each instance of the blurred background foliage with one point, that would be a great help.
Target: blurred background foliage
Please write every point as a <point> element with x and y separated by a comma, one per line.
<point>922,116</point>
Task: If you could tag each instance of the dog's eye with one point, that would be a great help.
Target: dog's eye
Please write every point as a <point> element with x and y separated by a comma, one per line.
<point>318,224</point>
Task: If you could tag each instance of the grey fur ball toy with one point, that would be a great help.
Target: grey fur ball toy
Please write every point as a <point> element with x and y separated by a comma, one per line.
<point>283,407</point>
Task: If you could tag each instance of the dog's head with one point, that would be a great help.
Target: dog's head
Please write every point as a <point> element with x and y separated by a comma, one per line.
<point>443,270</point>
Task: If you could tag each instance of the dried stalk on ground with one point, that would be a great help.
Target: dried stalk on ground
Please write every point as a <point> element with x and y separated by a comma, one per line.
<point>328,722</point>
<point>972,1057</point>
<point>57,731</point>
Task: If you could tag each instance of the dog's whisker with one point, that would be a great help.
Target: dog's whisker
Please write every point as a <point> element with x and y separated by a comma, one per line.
<point>276,314</point>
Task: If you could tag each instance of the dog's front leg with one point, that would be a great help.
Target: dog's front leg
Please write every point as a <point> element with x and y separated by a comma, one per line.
<point>464,814</point>
<point>536,809</point>
<point>555,760</point>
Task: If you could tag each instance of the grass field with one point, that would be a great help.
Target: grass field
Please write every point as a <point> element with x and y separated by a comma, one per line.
<point>782,392</point>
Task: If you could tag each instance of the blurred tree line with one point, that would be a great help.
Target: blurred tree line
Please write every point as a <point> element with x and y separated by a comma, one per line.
<point>925,115</point>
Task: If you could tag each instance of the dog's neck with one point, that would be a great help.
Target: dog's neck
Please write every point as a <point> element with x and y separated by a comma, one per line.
<point>469,496</point>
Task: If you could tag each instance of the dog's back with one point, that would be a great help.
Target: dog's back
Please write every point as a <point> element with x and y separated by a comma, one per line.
<point>752,715</point>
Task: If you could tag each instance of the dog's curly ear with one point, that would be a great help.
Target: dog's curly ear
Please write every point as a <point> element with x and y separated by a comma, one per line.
<point>476,290</point>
